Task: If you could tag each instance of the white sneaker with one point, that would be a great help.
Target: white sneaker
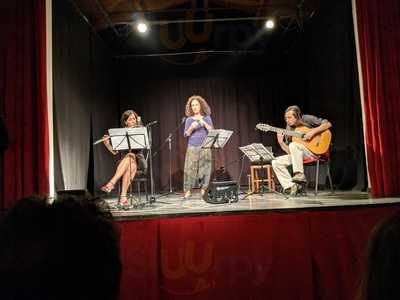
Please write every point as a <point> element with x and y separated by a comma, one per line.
<point>299,177</point>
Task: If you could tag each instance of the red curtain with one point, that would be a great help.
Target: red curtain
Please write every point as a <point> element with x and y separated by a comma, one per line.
<point>23,98</point>
<point>379,39</point>
<point>270,255</point>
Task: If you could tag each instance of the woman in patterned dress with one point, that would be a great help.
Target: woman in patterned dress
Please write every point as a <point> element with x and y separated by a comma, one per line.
<point>198,161</point>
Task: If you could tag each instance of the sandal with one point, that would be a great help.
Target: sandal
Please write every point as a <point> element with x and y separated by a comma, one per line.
<point>108,187</point>
<point>187,195</point>
<point>123,201</point>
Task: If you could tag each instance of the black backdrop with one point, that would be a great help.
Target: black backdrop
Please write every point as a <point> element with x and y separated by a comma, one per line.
<point>314,68</point>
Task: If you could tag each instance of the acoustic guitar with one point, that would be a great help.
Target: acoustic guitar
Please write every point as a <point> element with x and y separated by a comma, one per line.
<point>318,145</point>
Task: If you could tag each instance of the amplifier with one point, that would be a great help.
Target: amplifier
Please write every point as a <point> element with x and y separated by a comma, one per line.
<point>221,192</point>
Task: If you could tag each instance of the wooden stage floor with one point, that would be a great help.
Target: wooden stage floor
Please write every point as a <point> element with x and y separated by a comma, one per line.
<point>172,205</point>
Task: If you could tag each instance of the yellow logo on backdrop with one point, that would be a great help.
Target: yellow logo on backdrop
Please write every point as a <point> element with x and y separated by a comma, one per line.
<point>187,263</point>
<point>186,33</point>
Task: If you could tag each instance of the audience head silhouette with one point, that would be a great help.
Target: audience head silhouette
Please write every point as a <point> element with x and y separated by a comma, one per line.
<point>65,250</point>
<point>382,263</point>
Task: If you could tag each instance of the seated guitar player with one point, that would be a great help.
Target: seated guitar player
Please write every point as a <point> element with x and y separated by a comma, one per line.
<point>298,149</point>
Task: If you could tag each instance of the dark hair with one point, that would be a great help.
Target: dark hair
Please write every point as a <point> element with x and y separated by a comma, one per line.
<point>126,114</point>
<point>65,250</point>
<point>381,269</point>
<point>296,113</point>
<point>205,109</point>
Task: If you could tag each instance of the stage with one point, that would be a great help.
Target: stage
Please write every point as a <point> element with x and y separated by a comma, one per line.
<point>263,247</point>
<point>173,205</point>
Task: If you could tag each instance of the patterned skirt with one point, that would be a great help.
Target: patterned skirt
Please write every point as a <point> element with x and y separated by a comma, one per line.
<point>198,163</point>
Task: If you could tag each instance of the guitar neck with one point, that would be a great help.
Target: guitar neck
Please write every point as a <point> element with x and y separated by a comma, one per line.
<point>286,132</point>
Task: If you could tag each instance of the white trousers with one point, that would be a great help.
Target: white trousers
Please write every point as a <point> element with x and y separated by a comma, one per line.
<point>295,158</point>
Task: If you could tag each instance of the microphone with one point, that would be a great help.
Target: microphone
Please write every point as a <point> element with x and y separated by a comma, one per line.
<point>183,120</point>
<point>151,123</point>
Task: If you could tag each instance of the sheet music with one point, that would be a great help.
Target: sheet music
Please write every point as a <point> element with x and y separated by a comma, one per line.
<point>257,152</point>
<point>222,139</point>
<point>138,138</point>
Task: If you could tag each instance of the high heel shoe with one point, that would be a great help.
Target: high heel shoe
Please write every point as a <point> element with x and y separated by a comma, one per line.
<point>123,201</point>
<point>185,200</point>
<point>108,187</point>
<point>187,195</point>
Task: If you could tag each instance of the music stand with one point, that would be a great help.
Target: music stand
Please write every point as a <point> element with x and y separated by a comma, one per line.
<point>257,152</point>
<point>216,139</point>
<point>135,138</point>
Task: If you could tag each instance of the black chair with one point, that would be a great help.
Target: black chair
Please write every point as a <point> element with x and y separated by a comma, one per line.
<point>141,177</point>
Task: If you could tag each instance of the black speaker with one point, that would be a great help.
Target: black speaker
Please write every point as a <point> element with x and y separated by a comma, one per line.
<point>219,192</point>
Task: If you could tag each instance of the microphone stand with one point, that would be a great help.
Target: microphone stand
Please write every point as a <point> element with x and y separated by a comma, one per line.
<point>169,140</point>
<point>166,140</point>
<point>152,198</point>
<point>170,160</point>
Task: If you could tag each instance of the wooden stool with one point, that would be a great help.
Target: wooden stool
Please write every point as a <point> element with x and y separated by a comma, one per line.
<point>255,177</point>
<point>250,185</point>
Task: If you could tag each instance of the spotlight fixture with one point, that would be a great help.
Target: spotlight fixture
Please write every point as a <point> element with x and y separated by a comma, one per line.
<point>141,27</point>
<point>269,24</point>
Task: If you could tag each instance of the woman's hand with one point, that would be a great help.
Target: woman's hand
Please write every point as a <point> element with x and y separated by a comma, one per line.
<point>194,125</point>
<point>107,143</point>
<point>202,122</point>
<point>106,140</point>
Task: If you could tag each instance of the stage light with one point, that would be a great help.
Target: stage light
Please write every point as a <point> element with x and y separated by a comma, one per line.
<point>269,24</point>
<point>141,27</point>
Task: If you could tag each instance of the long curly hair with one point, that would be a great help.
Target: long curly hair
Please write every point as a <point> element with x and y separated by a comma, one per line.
<point>126,114</point>
<point>205,109</point>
